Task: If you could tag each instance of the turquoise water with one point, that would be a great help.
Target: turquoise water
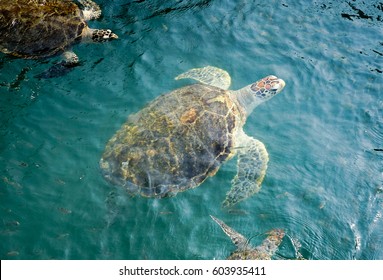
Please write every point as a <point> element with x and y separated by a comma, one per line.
<point>324,133</point>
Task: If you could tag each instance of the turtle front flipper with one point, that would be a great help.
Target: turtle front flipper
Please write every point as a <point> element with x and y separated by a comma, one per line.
<point>252,165</point>
<point>238,239</point>
<point>70,60</point>
<point>91,9</point>
<point>208,75</point>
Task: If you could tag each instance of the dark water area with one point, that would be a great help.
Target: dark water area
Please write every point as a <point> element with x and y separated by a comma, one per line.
<point>323,133</point>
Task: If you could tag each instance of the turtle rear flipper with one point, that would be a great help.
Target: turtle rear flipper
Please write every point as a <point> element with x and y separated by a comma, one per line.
<point>252,165</point>
<point>208,75</point>
<point>61,68</point>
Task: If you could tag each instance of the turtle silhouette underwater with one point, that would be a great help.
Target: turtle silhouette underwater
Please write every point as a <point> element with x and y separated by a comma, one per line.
<point>34,29</point>
<point>182,137</point>
<point>244,251</point>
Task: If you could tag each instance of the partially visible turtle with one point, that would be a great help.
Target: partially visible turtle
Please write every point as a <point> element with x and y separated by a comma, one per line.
<point>35,29</point>
<point>183,137</point>
<point>244,251</point>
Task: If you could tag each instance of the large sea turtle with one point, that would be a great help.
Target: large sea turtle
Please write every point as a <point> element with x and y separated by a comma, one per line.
<point>245,251</point>
<point>183,137</point>
<point>42,28</point>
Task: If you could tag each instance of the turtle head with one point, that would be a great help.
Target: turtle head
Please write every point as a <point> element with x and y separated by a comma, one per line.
<point>266,88</point>
<point>252,95</point>
<point>103,35</point>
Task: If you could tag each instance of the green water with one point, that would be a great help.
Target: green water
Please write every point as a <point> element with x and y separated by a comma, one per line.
<point>324,133</point>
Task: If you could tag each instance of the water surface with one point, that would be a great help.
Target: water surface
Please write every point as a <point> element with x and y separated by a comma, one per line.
<point>324,133</point>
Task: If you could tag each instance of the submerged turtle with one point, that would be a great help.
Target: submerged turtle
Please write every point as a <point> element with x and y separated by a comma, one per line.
<point>246,252</point>
<point>183,137</point>
<point>35,29</point>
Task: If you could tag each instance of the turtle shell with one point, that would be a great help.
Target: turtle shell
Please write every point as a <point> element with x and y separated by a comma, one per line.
<point>249,255</point>
<point>39,28</point>
<point>173,144</point>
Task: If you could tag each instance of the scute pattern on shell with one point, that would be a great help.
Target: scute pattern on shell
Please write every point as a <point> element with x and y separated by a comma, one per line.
<point>249,255</point>
<point>56,23</point>
<point>174,143</point>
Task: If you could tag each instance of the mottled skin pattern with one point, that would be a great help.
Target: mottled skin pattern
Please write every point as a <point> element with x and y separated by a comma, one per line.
<point>173,144</point>
<point>39,28</point>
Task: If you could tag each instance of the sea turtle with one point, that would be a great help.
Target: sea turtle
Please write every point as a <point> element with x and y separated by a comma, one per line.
<point>182,137</point>
<point>35,29</point>
<point>246,252</point>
